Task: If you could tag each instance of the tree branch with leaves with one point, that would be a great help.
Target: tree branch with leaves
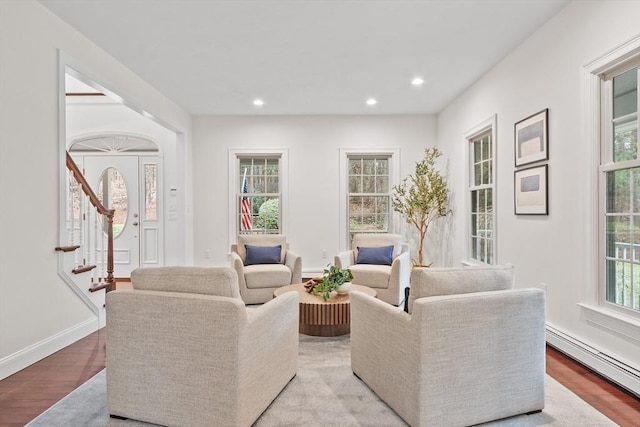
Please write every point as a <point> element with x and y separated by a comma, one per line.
<point>422,197</point>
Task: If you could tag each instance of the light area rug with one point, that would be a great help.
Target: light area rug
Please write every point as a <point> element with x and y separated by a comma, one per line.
<point>323,393</point>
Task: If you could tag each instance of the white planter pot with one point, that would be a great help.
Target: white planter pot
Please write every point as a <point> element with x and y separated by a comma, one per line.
<point>344,288</point>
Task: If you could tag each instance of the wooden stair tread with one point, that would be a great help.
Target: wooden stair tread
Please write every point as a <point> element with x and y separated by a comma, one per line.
<point>67,248</point>
<point>95,287</point>
<point>82,269</point>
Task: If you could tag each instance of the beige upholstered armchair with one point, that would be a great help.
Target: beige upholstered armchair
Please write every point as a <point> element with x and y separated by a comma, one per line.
<point>472,349</point>
<point>184,350</point>
<point>381,262</point>
<point>264,263</point>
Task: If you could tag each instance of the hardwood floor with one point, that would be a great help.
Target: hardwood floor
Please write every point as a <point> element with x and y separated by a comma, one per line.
<point>617,404</point>
<point>27,393</point>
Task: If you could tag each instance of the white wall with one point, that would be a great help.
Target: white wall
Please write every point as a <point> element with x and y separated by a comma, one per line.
<point>313,145</point>
<point>38,312</point>
<point>545,72</point>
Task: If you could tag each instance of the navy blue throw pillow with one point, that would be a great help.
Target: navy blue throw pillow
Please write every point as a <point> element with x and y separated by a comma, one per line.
<point>262,254</point>
<point>382,255</point>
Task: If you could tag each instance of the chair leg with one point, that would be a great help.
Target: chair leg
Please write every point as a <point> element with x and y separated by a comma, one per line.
<point>406,299</point>
<point>117,417</point>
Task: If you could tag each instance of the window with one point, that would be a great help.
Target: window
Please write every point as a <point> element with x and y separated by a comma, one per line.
<point>151,192</point>
<point>481,193</point>
<point>619,188</point>
<point>369,196</point>
<point>367,177</point>
<point>112,193</point>
<point>258,195</point>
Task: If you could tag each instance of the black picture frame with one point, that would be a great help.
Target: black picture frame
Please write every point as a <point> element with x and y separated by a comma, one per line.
<point>531,191</point>
<point>531,139</point>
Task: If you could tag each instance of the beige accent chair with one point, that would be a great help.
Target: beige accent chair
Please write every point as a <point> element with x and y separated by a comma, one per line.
<point>468,353</point>
<point>258,281</point>
<point>184,350</point>
<point>389,281</point>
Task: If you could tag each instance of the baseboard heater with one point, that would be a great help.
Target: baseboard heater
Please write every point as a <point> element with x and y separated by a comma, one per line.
<point>609,367</point>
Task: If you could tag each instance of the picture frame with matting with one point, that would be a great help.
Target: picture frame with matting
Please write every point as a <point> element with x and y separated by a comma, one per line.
<point>531,195</point>
<point>531,138</point>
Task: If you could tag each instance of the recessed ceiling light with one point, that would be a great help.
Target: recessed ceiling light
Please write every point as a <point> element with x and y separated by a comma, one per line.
<point>417,81</point>
<point>258,102</point>
<point>372,101</point>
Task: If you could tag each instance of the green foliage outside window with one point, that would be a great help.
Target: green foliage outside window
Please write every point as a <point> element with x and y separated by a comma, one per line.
<point>269,215</point>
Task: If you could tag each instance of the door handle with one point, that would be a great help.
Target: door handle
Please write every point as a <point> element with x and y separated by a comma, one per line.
<point>135,223</point>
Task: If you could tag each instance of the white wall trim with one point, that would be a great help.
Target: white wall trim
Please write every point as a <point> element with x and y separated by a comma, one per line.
<point>73,285</point>
<point>233,184</point>
<point>490,123</point>
<point>618,54</point>
<point>595,308</point>
<point>605,364</point>
<point>618,324</point>
<point>15,362</point>
<point>309,273</point>
<point>72,139</point>
<point>591,133</point>
<point>68,64</point>
<point>394,175</point>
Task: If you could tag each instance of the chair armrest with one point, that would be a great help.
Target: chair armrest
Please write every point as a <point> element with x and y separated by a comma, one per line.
<point>268,351</point>
<point>400,275</point>
<point>294,262</point>
<point>344,259</point>
<point>238,266</point>
<point>274,314</point>
<point>383,349</point>
<point>379,332</point>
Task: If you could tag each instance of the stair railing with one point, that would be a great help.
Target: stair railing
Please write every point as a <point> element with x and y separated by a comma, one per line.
<point>108,282</point>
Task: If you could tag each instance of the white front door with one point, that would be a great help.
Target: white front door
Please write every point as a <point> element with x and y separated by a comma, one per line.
<point>116,181</point>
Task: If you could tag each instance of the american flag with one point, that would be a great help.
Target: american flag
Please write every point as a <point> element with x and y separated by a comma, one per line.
<point>245,209</point>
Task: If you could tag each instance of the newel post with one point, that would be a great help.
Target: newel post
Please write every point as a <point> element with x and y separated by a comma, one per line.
<point>109,279</point>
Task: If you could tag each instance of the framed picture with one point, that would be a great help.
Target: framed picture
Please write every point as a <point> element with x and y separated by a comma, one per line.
<point>531,187</point>
<point>531,138</point>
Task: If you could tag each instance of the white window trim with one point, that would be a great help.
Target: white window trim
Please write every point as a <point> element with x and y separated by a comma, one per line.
<point>394,179</point>
<point>488,124</point>
<point>594,309</point>
<point>234,184</point>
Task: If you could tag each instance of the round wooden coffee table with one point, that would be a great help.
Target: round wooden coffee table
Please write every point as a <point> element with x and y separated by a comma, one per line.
<point>324,318</point>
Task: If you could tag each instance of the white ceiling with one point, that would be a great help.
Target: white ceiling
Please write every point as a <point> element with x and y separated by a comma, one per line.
<point>307,56</point>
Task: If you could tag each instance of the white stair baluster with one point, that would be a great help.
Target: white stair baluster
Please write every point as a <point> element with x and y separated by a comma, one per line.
<point>80,225</point>
<point>103,250</point>
<point>70,218</point>
<point>93,258</point>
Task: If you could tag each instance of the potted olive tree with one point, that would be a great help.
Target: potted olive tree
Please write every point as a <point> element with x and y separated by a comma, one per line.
<point>423,197</point>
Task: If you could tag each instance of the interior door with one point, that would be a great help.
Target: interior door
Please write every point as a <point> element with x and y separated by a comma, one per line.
<point>115,180</point>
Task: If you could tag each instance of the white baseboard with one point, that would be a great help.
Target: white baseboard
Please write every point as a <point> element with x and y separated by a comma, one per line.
<point>15,362</point>
<point>312,273</point>
<point>606,365</point>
